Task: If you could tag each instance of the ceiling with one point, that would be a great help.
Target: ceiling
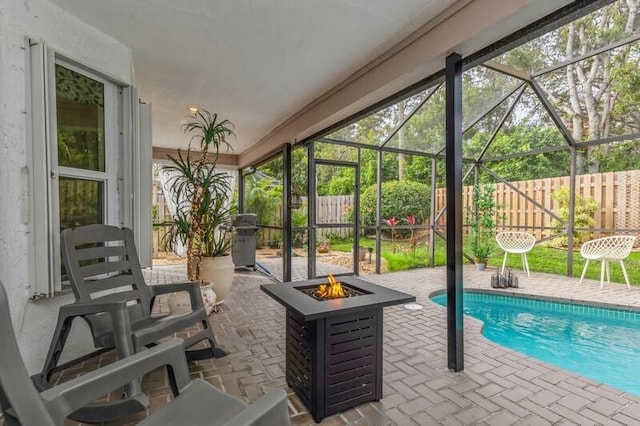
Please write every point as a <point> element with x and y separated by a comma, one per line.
<point>256,63</point>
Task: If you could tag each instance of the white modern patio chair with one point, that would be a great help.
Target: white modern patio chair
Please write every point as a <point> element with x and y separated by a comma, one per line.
<point>607,249</point>
<point>518,243</point>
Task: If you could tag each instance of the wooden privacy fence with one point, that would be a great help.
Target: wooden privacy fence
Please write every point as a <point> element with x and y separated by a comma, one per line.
<point>334,209</point>
<point>329,210</point>
<point>526,204</point>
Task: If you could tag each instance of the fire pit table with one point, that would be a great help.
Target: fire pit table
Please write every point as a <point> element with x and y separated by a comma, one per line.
<point>334,346</point>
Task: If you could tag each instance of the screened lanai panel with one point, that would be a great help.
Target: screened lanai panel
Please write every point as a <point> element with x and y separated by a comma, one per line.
<point>468,170</point>
<point>263,193</point>
<point>617,156</point>
<point>412,102</point>
<point>598,96</point>
<point>527,203</point>
<point>610,25</point>
<point>528,128</point>
<point>543,165</point>
<point>481,89</point>
<point>376,128</point>
<point>371,130</point>
<point>299,186</point>
<point>424,131</point>
<point>332,151</point>
<point>478,135</point>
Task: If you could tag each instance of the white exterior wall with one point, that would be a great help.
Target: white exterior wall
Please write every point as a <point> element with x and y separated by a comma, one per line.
<point>38,19</point>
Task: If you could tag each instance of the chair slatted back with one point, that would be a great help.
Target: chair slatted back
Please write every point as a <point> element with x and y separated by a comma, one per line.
<point>16,387</point>
<point>102,264</point>
<point>514,240</point>
<point>614,248</point>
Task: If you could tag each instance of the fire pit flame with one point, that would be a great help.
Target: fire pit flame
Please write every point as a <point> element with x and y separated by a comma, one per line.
<point>330,291</point>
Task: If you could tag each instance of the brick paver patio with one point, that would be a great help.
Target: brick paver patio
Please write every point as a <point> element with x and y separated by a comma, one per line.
<point>498,386</point>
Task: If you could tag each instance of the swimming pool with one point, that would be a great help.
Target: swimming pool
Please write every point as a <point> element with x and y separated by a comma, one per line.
<point>599,343</point>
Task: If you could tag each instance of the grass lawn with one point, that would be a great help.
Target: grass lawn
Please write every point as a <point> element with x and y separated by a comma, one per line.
<point>554,261</point>
<point>541,259</point>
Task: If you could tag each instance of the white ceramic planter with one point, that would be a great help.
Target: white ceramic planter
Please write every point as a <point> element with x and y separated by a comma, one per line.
<point>219,272</point>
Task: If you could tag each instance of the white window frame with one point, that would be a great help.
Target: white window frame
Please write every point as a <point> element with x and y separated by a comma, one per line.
<point>109,178</point>
<point>126,155</point>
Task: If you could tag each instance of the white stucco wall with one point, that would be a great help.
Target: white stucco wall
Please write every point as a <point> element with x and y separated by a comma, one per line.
<point>38,19</point>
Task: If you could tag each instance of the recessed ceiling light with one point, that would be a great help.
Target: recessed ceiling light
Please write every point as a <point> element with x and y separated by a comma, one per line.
<point>193,110</point>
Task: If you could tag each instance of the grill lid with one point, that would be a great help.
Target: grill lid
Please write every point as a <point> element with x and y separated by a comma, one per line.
<point>245,220</point>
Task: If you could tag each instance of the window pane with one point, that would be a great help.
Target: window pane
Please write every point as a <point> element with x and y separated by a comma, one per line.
<point>81,202</point>
<point>80,119</point>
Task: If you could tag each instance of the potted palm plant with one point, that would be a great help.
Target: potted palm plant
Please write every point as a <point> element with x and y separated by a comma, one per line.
<point>202,197</point>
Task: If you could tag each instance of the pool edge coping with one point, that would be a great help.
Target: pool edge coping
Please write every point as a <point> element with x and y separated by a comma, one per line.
<point>579,302</point>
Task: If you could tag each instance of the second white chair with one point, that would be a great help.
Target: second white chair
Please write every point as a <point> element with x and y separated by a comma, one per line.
<point>607,249</point>
<point>517,243</point>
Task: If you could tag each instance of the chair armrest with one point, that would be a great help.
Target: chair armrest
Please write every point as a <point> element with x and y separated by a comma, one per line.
<point>120,321</point>
<point>174,287</point>
<point>70,396</point>
<point>270,409</point>
<point>192,287</point>
<point>77,309</point>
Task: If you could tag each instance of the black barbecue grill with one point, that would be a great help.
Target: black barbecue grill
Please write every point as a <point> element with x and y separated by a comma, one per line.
<point>244,231</point>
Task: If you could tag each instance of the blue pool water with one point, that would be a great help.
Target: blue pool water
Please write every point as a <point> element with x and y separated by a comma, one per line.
<point>599,343</point>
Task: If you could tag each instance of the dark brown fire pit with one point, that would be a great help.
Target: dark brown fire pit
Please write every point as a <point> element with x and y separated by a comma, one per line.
<point>334,346</point>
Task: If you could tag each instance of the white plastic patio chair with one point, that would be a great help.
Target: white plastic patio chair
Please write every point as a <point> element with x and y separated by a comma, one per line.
<point>195,402</point>
<point>607,249</point>
<point>518,243</point>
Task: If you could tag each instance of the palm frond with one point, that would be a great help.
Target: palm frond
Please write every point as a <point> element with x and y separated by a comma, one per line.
<point>200,192</point>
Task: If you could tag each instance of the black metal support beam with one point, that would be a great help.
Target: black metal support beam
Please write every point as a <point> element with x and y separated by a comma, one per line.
<point>405,151</point>
<point>493,106</point>
<point>455,337</point>
<point>544,25</point>
<point>545,150</point>
<point>504,117</point>
<point>287,232</point>
<point>631,39</point>
<point>335,141</point>
<point>311,209</point>
<point>610,139</point>
<point>523,194</point>
<point>378,210</point>
<point>572,213</point>
<point>432,214</point>
<point>356,218</point>
<point>241,191</point>
<point>507,69</point>
<point>552,112</point>
<point>410,115</point>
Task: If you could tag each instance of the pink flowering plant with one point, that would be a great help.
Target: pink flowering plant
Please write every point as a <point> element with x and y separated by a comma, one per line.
<point>413,241</point>
<point>392,222</point>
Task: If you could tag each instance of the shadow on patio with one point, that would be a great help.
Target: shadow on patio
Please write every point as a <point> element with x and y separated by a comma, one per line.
<point>498,386</point>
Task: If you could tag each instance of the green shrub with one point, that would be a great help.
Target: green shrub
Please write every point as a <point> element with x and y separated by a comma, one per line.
<point>341,185</point>
<point>584,209</point>
<point>265,200</point>
<point>399,199</point>
<point>299,220</point>
<point>482,217</point>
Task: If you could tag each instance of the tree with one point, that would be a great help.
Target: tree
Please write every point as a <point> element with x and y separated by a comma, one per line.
<point>399,199</point>
<point>585,93</point>
<point>200,192</point>
<point>584,209</point>
<point>527,137</point>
